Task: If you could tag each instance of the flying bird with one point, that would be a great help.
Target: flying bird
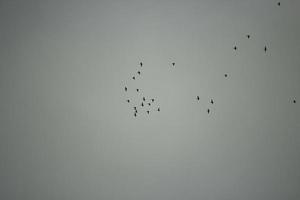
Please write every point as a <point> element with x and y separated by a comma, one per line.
<point>125,89</point>
<point>225,75</point>
<point>141,64</point>
<point>142,104</point>
<point>149,104</point>
<point>133,77</point>
<point>137,90</point>
<point>144,99</point>
<point>135,114</point>
<point>278,3</point>
<point>139,72</point>
<point>148,111</point>
<point>212,101</point>
<point>128,100</point>
<point>235,47</point>
<point>294,101</point>
<point>158,109</point>
<point>208,111</point>
<point>248,36</point>
<point>134,107</point>
<point>152,100</point>
<point>173,64</point>
<point>198,98</point>
<point>265,49</point>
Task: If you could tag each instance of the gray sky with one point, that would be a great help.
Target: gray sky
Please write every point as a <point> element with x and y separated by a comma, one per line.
<point>67,132</point>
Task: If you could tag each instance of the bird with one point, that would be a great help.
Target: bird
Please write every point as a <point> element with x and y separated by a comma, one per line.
<point>278,3</point>
<point>135,114</point>
<point>128,100</point>
<point>139,72</point>
<point>198,98</point>
<point>125,89</point>
<point>158,109</point>
<point>148,111</point>
<point>265,49</point>
<point>141,64</point>
<point>208,111</point>
<point>134,107</point>
<point>225,75</point>
<point>142,104</point>
<point>133,78</point>
<point>294,101</point>
<point>149,104</point>
<point>144,99</point>
<point>212,101</point>
<point>248,36</point>
<point>173,64</point>
<point>152,100</point>
<point>235,47</point>
<point>137,90</point>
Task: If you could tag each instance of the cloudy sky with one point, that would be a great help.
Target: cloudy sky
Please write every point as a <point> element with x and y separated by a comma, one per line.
<point>67,132</point>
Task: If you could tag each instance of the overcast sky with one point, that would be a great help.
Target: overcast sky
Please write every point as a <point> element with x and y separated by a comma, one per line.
<point>67,132</point>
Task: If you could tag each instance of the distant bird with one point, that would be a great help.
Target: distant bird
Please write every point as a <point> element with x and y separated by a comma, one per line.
<point>142,104</point>
<point>208,111</point>
<point>152,100</point>
<point>149,104</point>
<point>173,64</point>
<point>134,107</point>
<point>212,101</point>
<point>158,109</point>
<point>133,78</point>
<point>198,98</point>
<point>265,49</point>
<point>141,64</point>
<point>135,114</point>
<point>144,99</point>
<point>137,90</point>
<point>139,72</point>
<point>125,89</point>
<point>278,3</point>
<point>235,47</point>
<point>294,101</point>
<point>148,111</point>
<point>128,100</point>
<point>248,36</point>
<point>225,75</point>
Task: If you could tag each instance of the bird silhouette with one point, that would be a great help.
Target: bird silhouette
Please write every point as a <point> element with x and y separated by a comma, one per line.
<point>225,75</point>
<point>135,114</point>
<point>144,99</point>
<point>125,89</point>
<point>149,104</point>
<point>208,111</point>
<point>158,109</point>
<point>142,104</point>
<point>139,72</point>
<point>173,64</point>
<point>265,49</point>
<point>128,100</point>
<point>137,90</point>
<point>278,3</point>
<point>198,98</point>
<point>294,101</point>
<point>141,64</point>
<point>133,78</point>
<point>148,111</point>
<point>248,36</point>
<point>212,101</point>
<point>235,47</point>
<point>152,100</point>
<point>134,107</point>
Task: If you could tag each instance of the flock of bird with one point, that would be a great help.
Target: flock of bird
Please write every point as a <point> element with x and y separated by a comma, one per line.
<point>146,103</point>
